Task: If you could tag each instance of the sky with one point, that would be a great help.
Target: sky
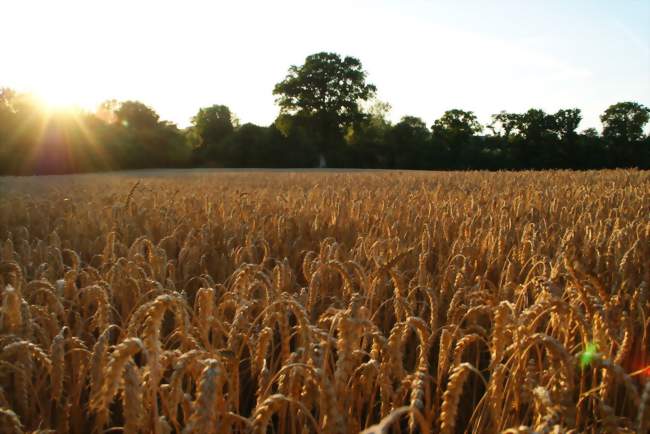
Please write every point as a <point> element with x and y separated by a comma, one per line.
<point>425,57</point>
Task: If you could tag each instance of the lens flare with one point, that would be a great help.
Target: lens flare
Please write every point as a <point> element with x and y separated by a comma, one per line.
<point>588,355</point>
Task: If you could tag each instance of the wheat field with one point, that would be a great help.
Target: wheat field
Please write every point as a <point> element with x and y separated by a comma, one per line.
<point>325,302</point>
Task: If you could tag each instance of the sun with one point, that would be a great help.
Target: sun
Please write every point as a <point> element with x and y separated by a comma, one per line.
<point>62,94</point>
<point>54,99</point>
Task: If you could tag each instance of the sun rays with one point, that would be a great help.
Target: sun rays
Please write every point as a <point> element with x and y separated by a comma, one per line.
<point>52,136</point>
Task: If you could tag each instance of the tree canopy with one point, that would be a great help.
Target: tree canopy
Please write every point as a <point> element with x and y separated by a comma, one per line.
<point>625,121</point>
<point>328,113</point>
<point>134,114</point>
<point>213,124</point>
<point>325,85</point>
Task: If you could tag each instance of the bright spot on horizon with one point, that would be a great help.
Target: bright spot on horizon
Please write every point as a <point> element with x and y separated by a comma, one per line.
<point>58,97</point>
<point>425,57</point>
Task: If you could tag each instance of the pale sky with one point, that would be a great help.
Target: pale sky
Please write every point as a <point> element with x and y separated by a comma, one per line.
<point>424,56</point>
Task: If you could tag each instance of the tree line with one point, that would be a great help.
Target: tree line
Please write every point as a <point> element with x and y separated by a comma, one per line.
<point>328,116</point>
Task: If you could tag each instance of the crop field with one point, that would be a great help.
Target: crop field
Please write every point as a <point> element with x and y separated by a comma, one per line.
<point>325,302</point>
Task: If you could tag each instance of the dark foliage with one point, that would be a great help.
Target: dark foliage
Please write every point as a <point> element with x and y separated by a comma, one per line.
<point>321,122</point>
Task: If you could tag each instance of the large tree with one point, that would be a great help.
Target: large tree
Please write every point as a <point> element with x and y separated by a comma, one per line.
<point>565,122</point>
<point>504,124</point>
<point>623,125</point>
<point>326,89</point>
<point>624,121</point>
<point>134,114</point>
<point>212,124</point>
<point>457,124</point>
<point>454,133</point>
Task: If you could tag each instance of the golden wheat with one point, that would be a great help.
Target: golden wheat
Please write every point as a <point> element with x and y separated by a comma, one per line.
<point>329,302</point>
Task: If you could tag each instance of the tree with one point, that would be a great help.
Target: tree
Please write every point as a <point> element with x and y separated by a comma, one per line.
<point>406,144</point>
<point>533,124</point>
<point>563,145</point>
<point>455,131</point>
<point>591,133</point>
<point>256,146</point>
<point>592,153</point>
<point>22,127</point>
<point>410,129</point>
<point>134,114</point>
<point>106,111</point>
<point>135,137</point>
<point>624,121</point>
<point>565,123</point>
<point>366,138</point>
<point>301,140</point>
<point>7,96</point>
<point>326,90</point>
<point>623,133</point>
<point>536,144</point>
<point>457,123</point>
<point>7,113</point>
<point>7,127</point>
<point>212,124</point>
<point>504,123</point>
